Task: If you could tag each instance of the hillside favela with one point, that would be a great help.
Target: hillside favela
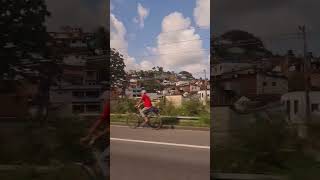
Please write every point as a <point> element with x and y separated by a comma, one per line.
<point>265,106</point>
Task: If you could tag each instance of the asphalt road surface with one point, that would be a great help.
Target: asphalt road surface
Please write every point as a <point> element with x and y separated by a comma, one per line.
<point>146,154</point>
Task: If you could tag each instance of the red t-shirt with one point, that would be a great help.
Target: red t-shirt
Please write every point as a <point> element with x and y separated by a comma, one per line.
<point>106,112</point>
<point>146,100</point>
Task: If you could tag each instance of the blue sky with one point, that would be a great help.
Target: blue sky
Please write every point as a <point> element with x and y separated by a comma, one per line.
<point>138,40</point>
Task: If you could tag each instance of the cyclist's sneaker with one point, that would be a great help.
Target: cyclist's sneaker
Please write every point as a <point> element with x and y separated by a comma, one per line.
<point>145,125</point>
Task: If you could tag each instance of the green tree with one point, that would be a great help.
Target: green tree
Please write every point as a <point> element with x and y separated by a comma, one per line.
<point>100,41</point>
<point>117,72</point>
<point>186,74</point>
<point>115,64</point>
<point>22,32</point>
<point>239,44</point>
<point>151,85</point>
<point>24,38</point>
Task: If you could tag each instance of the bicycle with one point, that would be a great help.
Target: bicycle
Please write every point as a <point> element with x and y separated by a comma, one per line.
<point>92,167</point>
<point>88,170</point>
<point>134,120</point>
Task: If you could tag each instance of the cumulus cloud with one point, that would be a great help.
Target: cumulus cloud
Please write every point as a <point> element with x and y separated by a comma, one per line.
<point>201,13</point>
<point>184,55</point>
<point>143,13</point>
<point>146,65</point>
<point>118,41</point>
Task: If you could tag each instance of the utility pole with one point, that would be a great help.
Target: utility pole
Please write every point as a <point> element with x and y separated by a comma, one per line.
<point>206,85</point>
<point>306,76</point>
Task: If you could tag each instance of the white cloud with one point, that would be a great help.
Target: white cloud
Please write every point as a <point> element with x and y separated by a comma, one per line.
<point>117,34</point>
<point>201,13</point>
<point>146,65</point>
<point>143,13</point>
<point>118,41</point>
<point>174,51</point>
<point>152,50</point>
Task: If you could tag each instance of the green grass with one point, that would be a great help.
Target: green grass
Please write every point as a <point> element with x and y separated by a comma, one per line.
<point>268,148</point>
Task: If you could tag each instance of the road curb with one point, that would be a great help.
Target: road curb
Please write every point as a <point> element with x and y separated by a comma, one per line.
<point>168,127</point>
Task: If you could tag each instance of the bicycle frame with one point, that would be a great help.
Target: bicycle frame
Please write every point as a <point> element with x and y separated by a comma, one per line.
<point>151,115</point>
<point>97,164</point>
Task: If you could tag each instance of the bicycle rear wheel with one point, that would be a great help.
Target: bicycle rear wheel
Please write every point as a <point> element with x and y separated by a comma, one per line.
<point>133,120</point>
<point>155,120</point>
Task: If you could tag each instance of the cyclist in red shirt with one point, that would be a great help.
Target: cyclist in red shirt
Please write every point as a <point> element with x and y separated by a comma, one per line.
<point>146,101</point>
<point>94,134</point>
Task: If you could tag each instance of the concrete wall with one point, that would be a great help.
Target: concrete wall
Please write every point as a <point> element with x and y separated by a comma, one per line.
<point>315,80</point>
<point>175,100</point>
<point>225,123</point>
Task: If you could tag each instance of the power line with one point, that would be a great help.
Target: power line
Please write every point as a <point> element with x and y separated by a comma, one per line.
<point>183,29</point>
<point>171,31</point>
<point>183,52</point>
<point>175,42</point>
<point>246,43</point>
<point>280,35</point>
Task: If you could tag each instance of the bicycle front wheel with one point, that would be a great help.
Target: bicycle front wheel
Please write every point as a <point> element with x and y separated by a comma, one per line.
<point>133,120</point>
<point>155,120</point>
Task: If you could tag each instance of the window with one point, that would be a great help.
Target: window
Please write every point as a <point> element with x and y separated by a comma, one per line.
<point>79,108</point>
<point>92,94</point>
<point>314,107</point>
<point>90,73</point>
<point>91,83</point>
<point>296,104</point>
<point>274,83</point>
<point>264,83</point>
<point>78,94</point>
<point>93,108</point>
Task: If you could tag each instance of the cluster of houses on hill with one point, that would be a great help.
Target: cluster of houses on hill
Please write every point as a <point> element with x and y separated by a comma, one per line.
<point>247,86</point>
<point>175,88</point>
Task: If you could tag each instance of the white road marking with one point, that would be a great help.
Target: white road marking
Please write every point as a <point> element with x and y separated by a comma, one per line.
<point>160,143</point>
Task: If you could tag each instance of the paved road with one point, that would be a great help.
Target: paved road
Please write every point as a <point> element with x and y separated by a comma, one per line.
<point>146,154</point>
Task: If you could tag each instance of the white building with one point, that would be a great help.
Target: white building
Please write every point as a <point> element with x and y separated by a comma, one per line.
<point>222,68</point>
<point>77,99</point>
<point>271,84</point>
<point>194,88</point>
<point>202,95</point>
<point>182,83</point>
<point>166,83</point>
<point>295,105</point>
